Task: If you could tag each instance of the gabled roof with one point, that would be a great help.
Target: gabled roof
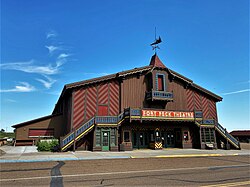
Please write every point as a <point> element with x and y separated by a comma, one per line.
<point>35,120</point>
<point>155,62</point>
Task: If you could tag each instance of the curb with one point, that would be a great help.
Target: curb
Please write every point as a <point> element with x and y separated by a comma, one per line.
<point>188,156</point>
<point>62,159</point>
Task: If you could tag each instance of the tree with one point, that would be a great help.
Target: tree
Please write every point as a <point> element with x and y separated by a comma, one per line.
<point>2,130</point>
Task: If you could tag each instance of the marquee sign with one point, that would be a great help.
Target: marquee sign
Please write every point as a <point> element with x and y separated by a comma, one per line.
<point>167,114</point>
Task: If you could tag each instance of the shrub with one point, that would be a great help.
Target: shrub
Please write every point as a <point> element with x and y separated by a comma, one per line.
<point>47,145</point>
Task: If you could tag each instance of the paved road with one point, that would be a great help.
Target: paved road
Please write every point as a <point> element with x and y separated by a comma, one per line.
<point>201,171</point>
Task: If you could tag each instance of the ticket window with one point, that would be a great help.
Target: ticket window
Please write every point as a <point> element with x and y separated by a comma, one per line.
<point>185,136</point>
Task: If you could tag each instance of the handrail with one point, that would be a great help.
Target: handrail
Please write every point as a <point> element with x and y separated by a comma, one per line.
<point>68,139</point>
<point>228,136</point>
<point>75,133</point>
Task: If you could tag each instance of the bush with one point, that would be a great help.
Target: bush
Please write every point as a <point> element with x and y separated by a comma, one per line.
<point>47,145</point>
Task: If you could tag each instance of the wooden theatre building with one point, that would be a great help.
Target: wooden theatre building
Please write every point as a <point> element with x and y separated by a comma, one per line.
<point>150,107</point>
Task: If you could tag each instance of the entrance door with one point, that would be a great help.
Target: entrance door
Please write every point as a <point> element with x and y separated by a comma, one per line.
<point>168,139</point>
<point>140,139</point>
<point>105,141</point>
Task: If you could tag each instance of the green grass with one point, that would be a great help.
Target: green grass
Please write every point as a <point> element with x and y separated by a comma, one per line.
<point>7,134</point>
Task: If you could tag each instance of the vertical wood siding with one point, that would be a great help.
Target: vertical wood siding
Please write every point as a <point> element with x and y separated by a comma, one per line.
<point>180,97</point>
<point>133,92</point>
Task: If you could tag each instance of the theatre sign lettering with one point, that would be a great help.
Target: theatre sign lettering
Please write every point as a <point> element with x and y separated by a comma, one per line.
<point>167,114</point>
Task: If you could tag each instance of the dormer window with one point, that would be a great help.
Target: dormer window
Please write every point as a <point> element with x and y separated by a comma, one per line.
<point>160,82</point>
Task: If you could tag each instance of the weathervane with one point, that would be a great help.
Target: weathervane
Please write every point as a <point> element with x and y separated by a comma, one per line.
<point>156,42</point>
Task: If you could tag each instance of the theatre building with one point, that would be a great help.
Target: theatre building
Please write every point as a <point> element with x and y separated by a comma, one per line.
<point>151,107</point>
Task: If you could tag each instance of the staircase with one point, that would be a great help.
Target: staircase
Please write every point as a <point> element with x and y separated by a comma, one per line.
<point>73,136</point>
<point>234,142</point>
<point>219,128</point>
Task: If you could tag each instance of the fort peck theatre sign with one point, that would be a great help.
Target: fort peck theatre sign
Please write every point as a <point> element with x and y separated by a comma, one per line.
<point>167,114</point>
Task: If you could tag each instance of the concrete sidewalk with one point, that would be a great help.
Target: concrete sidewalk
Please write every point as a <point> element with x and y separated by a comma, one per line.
<point>30,154</point>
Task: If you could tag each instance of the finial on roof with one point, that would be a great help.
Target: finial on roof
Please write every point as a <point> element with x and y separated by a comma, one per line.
<point>156,42</point>
<point>156,62</point>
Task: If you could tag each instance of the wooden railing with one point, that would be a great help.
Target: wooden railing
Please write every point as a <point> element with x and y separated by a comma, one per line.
<point>82,130</point>
<point>159,95</point>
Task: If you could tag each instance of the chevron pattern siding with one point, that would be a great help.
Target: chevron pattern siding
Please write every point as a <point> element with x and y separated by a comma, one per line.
<point>103,94</point>
<point>205,107</point>
<point>113,98</point>
<point>91,102</point>
<point>190,99</point>
<point>79,107</point>
<point>213,111</point>
<point>197,101</point>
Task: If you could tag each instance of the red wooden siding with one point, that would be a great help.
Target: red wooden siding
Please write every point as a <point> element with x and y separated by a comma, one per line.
<point>79,107</point>
<point>103,94</point>
<point>91,102</point>
<point>197,101</point>
<point>41,132</point>
<point>86,101</point>
<point>113,98</point>
<point>205,107</point>
<point>190,99</point>
<point>213,111</point>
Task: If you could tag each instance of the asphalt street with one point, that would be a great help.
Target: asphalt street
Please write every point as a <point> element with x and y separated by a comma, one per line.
<point>198,171</point>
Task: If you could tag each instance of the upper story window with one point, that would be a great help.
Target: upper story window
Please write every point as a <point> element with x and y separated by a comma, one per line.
<point>160,82</point>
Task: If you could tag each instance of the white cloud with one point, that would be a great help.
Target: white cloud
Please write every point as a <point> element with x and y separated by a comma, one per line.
<point>63,55</point>
<point>236,92</point>
<point>28,67</point>
<point>51,34</point>
<point>52,48</point>
<point>47,83</point>
<point>22,87</point>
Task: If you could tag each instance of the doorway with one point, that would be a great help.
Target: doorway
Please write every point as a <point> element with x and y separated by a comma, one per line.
<point>105,141</point>
<point>140,139</point>
<point>168,139</point>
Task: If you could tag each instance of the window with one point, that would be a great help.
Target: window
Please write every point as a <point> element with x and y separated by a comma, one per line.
<point>102,110</point>
<point>160,82</point>
<point>126,136</point>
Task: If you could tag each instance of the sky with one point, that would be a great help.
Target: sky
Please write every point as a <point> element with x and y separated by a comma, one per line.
<point>46,44</point>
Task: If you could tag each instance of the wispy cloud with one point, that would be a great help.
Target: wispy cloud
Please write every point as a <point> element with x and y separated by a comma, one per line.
<point>51,34</point>
<point>52,48</point>
<point>28,67</point>
<point>236,92</point>
<point>63,55</point>
<point>22,87</point>
<point>48,82</point>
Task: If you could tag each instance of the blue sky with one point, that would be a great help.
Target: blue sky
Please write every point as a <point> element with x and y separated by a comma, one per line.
<point>47,44</point>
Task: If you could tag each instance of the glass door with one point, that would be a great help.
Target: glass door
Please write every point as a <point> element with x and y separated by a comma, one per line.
<point>105,141</point>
